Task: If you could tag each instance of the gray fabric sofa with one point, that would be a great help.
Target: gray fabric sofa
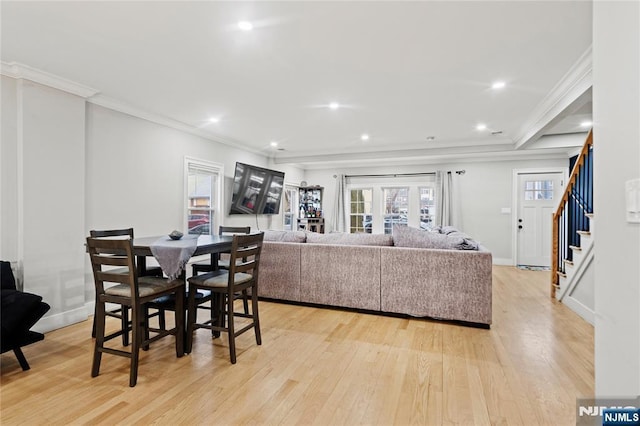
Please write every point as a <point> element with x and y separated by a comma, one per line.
<point>365,271</point>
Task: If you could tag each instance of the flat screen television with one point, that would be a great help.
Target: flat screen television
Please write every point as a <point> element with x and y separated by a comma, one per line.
<point>256,190</point>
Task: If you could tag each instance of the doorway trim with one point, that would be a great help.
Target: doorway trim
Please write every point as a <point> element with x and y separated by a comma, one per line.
<point>515,201</point>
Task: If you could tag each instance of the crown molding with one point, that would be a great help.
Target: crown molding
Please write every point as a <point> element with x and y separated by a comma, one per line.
<point>25,72</point>
<point>420,157</point>
<point>558,102</point>
<point>123,107</point>
<point>21,71</point>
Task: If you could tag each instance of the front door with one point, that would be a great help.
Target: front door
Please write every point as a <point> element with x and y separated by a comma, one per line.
<point>538,197</point>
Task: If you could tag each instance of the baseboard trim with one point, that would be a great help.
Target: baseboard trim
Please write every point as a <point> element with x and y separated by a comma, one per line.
<point>63,319</point>
<point>502,261</point>
<point>584,312</point>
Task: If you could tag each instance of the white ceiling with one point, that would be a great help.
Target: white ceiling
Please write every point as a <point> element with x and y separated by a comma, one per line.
<point>403,71</point>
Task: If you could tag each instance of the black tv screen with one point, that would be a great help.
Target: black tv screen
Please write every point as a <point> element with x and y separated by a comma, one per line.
<point>256,190</point>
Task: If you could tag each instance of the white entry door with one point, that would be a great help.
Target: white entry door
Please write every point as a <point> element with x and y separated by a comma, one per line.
<point>538,197</point>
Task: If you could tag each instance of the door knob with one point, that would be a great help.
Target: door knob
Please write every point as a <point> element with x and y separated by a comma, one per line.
<point>520,220</point>
<point>519,226</point>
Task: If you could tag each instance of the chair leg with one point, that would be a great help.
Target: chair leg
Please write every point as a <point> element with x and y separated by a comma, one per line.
<point>93,327</point>
<point>145,326</point>
<point>254,313</point>
<point>124,313</point>
<point>162,319</point>
<point>179,313</point>
<point>99,320</point>
<point>138,329</point>
<point>21,359</point>
<point>245,301</point>
<point>230,328</point>
<point>191,318</point>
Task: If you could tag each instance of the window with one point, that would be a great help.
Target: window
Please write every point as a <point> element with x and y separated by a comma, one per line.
<point>203,183</point>
<point>427,206</point>
<point>375,203</point>
<point>396,207</point>
<point>290,208</point>
<point>360,215</point>
<point>538,190</point>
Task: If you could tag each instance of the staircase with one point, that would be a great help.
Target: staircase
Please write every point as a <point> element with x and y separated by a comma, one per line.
<point>573,236</point>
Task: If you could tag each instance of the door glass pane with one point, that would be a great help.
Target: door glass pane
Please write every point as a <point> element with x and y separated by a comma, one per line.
<point>396,207</point>
<point>538,190</point>
<point>360,216</point>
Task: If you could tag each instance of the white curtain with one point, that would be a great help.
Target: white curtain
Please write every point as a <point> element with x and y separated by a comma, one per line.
<point>446,204</point>
<point>339,211</point>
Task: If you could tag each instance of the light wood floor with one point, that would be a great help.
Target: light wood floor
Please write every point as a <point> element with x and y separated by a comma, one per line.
<point>327,367</point>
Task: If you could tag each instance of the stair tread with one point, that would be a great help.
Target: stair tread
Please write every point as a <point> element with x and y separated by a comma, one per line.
<point>562,274</point>
<point>584,232</point>
<point>578,248</point>
<point>568,262</point>
<point>590,215</point>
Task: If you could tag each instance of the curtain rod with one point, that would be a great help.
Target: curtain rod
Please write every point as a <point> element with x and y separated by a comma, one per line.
<point>459,172</point>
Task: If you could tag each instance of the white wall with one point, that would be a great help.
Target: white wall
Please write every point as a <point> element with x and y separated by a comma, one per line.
<point>43,152</point>
<point>483,191</point>
<point>9,171</point>
<point>616,112</point>
<point>69,166</point>
<point>135,176</point>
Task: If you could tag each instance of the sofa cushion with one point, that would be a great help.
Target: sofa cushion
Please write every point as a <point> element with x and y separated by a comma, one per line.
<point>350,239</point>
<point>407,236</point>
<point>285,236</point>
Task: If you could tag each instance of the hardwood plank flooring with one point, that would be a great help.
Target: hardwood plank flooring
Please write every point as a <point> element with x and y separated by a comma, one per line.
<point>326,367</point>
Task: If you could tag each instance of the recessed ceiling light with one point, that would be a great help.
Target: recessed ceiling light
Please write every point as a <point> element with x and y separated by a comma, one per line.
<point>245,25</point>
<point>586,123</point>
<point>274,144</point>
<point>481,127</point>
<point>214,120</point>
<point>334,105</point>
<point>498,85</point>
<point>364,137</point>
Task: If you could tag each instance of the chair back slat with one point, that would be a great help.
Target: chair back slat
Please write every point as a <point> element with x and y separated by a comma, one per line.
<point>102,233</point>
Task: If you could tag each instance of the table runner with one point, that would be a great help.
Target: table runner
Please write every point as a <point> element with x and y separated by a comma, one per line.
<point>173,255</point>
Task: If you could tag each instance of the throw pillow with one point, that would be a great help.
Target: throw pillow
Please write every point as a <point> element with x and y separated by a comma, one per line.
<point>406,236</point>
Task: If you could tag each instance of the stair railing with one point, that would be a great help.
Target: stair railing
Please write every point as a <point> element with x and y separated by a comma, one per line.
<point>572,213</point>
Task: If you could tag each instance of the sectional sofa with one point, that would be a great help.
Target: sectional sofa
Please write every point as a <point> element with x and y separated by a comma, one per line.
<point>378,273</point>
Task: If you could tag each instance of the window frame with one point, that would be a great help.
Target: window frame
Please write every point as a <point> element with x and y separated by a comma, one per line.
<point>414,183</point>
<point>294,189</point>
<point>215,207</point>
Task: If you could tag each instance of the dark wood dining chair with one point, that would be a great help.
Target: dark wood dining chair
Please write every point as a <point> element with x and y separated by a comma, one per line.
<point>223,260</point>
<point>133,292</point>
<point>121,313</point>
<point>242,275</point>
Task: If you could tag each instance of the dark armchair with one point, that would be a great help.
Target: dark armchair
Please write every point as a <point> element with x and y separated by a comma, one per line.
<point>20,311</point>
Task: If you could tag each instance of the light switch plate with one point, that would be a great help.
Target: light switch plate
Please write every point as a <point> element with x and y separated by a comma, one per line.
<point>632,196</point>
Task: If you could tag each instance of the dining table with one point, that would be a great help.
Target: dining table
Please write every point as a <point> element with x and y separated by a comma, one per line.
<point>207,244</point>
